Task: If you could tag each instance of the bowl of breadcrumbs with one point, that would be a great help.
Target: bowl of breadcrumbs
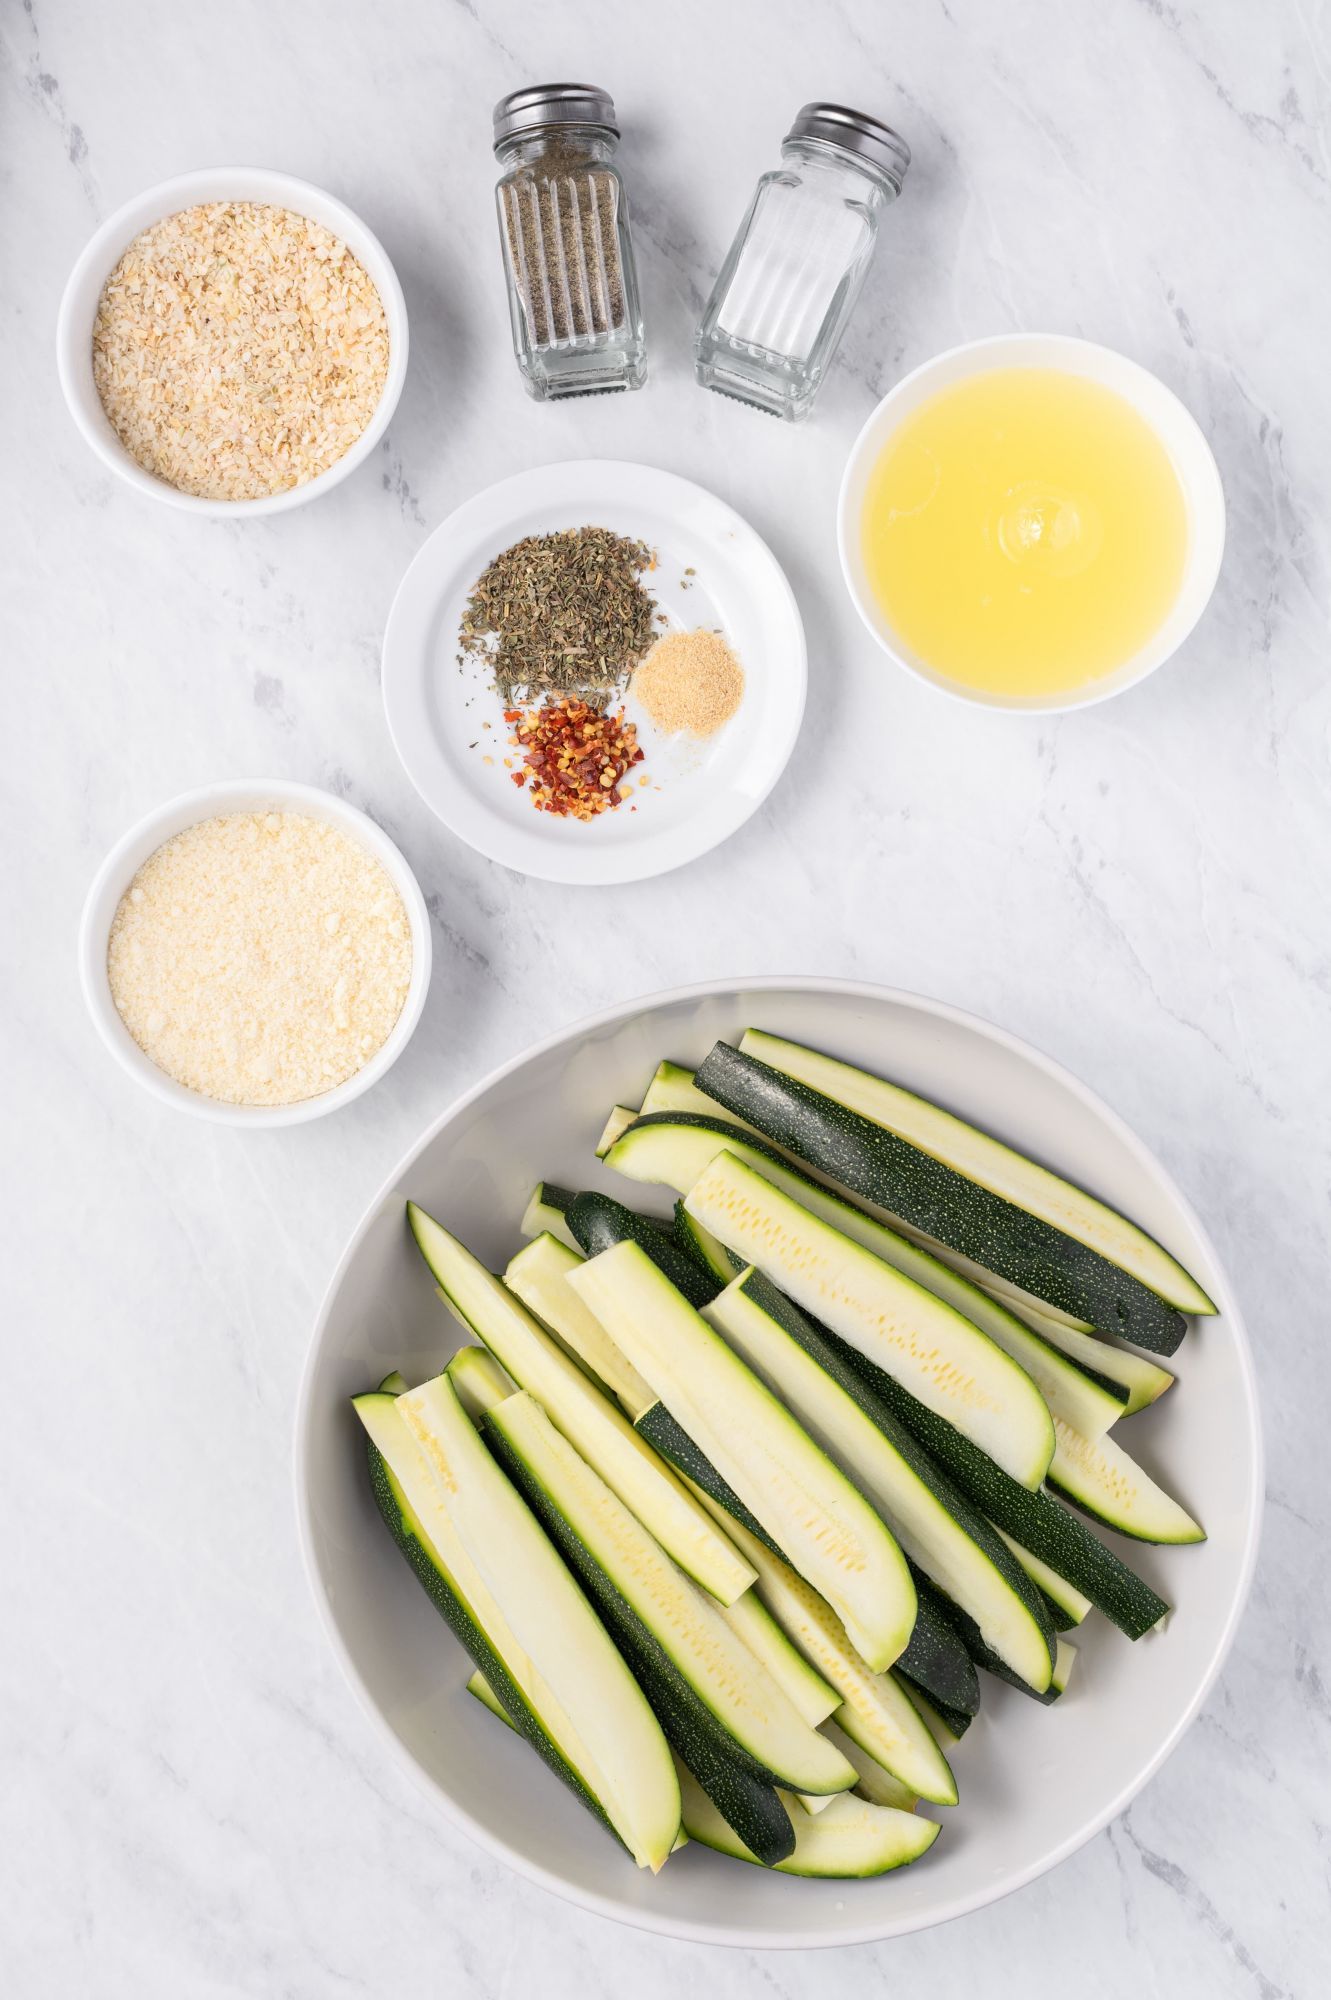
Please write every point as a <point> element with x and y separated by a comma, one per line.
<point>257,953</point>
<point>234,341</point>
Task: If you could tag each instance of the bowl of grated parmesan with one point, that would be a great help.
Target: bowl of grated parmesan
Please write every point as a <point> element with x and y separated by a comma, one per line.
<point>257,953</point>
<point>233,342</point>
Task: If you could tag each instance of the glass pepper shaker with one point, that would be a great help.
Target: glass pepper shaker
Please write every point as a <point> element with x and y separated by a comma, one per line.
<point>564,232</point>
<point>788,286</point>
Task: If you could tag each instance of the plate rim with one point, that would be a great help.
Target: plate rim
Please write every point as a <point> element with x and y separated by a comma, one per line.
<point>617,866</point>
<point>737,1936</point>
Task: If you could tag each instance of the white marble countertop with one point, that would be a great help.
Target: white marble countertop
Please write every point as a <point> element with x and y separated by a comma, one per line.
<point>190,1802</point>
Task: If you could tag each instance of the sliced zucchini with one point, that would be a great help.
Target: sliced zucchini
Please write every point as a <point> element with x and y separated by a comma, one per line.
<point>478,1379</point>
<point>1099,1477</point>
<point>932,1196</point>
<point>1064,1375</point>
<point>546,1211</point>
<point>394,1384</point>
<point>718,1706</point>
<point>1065,1661</point>
<point>813,1697</point>
<point>677,1148</point>
<point>620,1118</point>
<point>946,1726</point>
<point>672,1088</point>
<point>941,1358</point>
<point>591,1422</point>
<point>1069,1605</point>
<point>1136,1379</point>
<point>1036,1520</point>
<point>700,1243</point>
<point>873,1782</point>
<point>598,1222</point>
<point>875,1708</point>
<point>852,1840</point>
<point>939,1530</point>
<point>541,1646</point>
<point>539,1276</point>
<point>397,1476</point>
<point>486,1696</point>
<point>804,1501</point>
<point>675,1445</point>
<point>989,1164</point>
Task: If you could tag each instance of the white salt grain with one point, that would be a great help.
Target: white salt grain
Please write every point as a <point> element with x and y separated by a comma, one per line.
<point>228,974</point>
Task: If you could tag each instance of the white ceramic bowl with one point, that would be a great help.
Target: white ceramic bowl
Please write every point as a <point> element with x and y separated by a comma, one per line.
<point>1177,430</point>
<point>128,856</point>
<point>78,313</point>
<point>1035,1782</point>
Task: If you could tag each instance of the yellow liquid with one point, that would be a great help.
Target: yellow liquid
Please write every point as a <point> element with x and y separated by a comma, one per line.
<point>1025,532</point>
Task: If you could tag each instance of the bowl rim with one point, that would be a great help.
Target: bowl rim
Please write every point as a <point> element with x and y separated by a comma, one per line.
<point>73,335</point>
<point>642,1919</point>
<point>188,809</point>
<point>1134,381</point>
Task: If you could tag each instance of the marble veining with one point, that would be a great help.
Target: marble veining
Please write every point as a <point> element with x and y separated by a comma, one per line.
<point>190,1802</point>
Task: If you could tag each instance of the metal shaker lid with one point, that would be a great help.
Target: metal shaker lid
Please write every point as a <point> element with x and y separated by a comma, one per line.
<point>544,104</point>
<point>855,132</point>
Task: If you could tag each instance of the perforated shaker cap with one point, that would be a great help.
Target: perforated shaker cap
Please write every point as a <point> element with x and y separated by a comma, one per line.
<point>855,132</point>
<point>544,104</point>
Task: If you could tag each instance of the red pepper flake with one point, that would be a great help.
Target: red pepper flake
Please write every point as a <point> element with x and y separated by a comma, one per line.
<point>577,757</point>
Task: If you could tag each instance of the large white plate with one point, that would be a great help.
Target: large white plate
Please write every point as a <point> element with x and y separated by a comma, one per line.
<point>445,721</point>
<point>1035,1782</point>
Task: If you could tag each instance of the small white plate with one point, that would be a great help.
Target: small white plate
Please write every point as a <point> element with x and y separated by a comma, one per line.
<point>697,793</point>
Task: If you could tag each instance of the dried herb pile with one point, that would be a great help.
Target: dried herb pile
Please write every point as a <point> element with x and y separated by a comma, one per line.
<point>561,614</point>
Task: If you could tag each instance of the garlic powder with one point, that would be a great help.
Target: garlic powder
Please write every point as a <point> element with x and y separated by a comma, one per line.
<point>260,958</point>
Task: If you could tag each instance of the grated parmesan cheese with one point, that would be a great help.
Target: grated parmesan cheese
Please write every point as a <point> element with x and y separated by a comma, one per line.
<point>239,350</point>
<point>260,958</point>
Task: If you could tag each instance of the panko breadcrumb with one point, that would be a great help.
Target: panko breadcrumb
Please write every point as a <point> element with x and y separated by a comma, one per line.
<point>239,350</point>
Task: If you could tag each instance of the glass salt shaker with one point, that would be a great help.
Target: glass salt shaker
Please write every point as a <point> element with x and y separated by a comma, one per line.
<point>564,232</point>
<point>787,288</point>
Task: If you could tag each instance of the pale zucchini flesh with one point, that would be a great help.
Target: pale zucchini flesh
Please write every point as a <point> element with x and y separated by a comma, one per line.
<point>689,1629</point>
<point>813,1697</point>
<point>938,1530</point>
<point>587,1417</point>
<point>989,1163</point>
<point>551,1640</point>
<point>1141,1380</point>
<point>545,1213</point>
<point>1065,1382</point>
<point>874,1782</point>
<point>940,1357</point>
<point>539,1276</point>
<point>853,1840</point>
<point>621,1117</point>
<point>478,1379</point>
<point>1073,1604</point>
<point>812,1511</point>
<point>875,1709</point>
<point>1098,1475</point>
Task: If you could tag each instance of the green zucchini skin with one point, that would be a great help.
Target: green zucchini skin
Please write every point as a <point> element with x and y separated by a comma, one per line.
<point>669,1437</point>
<point>968,1635</point>
<point>927,1195</point>
<point>955,1720</point>
<point>1036,1520</point>
<point>401,1524</point>
<point>933,1655</point>
<point>712,1256</point>
<point>941,1663</point>
<point>599,1222</point>
<point>738,1786</point>
<point>935,1658</point>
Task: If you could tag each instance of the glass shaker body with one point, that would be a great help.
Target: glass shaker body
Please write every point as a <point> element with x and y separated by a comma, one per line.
<point>568,262</point>
<point>781,301</point>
